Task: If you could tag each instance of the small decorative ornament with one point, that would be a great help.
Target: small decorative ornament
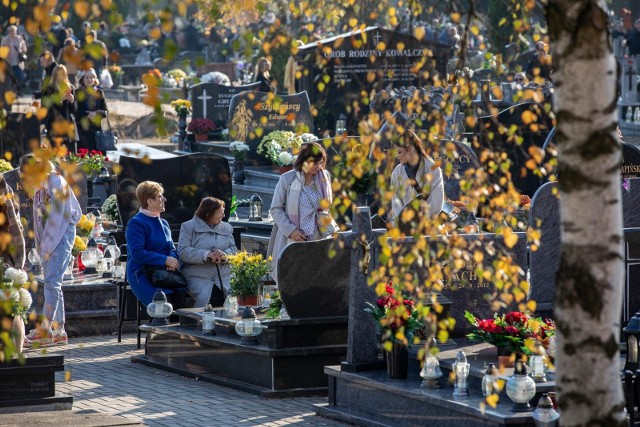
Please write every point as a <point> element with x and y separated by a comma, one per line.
<point>461,372</point>
<point>489,381</point>
<point>520,388</point>
<point>231,306</point>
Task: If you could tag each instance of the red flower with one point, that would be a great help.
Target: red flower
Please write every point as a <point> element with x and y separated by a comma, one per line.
<point>515,317</point>
<point>490,326</point>
<point>511,330</point>
<point>83,150</point>
<point>106,159</point>
<point>383,301</point>
<point>408,303</point>
<point>389,289</point>
<point>393,303</point>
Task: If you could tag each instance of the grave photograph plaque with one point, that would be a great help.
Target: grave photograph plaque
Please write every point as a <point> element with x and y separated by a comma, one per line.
<point>211,100</point>
<point>253,115</point>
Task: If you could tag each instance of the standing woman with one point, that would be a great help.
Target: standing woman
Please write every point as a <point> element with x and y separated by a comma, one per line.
<point>56,212</point>
<point>60,100</point>
<point>16,48</point>
<point>267,84</point>
<point>205,241</point>
<point>297,199</point>
<point>416,171</point>
<point>92,108</point>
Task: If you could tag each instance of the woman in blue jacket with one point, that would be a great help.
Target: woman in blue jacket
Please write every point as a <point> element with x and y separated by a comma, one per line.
<point>149,243</point>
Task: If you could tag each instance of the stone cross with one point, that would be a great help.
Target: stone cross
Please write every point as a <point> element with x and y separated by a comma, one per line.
<point>377,38</point>
<point>204,99</point>
<point>362,342</point>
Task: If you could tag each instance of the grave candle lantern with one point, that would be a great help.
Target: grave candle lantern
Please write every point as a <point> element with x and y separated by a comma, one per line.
<point>34,260</point>
<point>107,264</point>
<point>431,370</point>
<point>249,327</point>
<point>160,309</point>
<point>536,364</point>
<point>632,335</point>
<point>90,257</point>
<point>255,208</point>
<point>520,388</point>
<point>545,415</point>
<point>461,371</point>
<point>489,381</point>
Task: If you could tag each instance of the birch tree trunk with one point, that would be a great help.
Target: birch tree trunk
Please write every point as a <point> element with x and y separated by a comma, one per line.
<point>588,294</point>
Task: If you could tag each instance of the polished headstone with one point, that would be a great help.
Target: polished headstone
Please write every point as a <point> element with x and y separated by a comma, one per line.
<point>631,202</point>
<point>21,134</point>
<point>313,278</point>
<point>544,215</point>
<point>532,124</point>
<point>186,180</point>
<point>630,161</point>
<point>253,115</point>
<point>212,100</point>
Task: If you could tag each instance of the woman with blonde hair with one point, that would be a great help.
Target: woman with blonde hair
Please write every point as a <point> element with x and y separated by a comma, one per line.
<point>60,100</point>
<point>267,84</point>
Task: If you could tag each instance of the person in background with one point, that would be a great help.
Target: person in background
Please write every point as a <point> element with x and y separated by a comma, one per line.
<point>12,250</point>
<point>520,79</point>
<point>416,171</point>
<point>149,242</point>
<point>299,194</point>
<point>540,65</point>
<point>95,51</point>
<point>48,64</point>
<point>267,84</point>
<point>71,57</point>
<point>60,100</point>
<point>56,212</point>
<point>92,108</point>
<point>17,48</point>
<point>205,241</point>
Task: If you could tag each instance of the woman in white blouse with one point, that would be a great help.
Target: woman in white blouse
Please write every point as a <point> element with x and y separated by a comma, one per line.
<point>297,199</point>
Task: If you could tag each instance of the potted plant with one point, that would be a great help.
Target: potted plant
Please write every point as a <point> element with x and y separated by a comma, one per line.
<point>280,146</point>
<point>512,333</point>
<point>240,150</point>
<point>398,319</point>
<point>110,209</point>
<point>247,271</point>
<point>201,127</point>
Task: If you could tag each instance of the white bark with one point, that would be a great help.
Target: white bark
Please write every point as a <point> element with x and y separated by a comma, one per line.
<point>589,294</point>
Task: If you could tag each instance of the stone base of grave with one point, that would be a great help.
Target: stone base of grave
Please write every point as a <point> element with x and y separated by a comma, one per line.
<point>28,385</point>
<point>370,398</point>
<point>287,361</point>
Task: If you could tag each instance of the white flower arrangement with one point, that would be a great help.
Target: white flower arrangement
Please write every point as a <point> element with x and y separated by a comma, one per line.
<point>278,142</point>
<point>239,150</point>
<point>15,299</point>
<point>308,137</point>
<point>285,158</point>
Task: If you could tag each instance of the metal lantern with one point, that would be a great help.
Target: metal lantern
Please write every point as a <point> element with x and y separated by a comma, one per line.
<point>113,247</point>
<point>108,264</point>
<point>249,327</point>
<point>545,415</point>
<point>255,208</point>
<point>461,372</point>
<point>520,388</point>
<point>34,260</point>
<point>632,335</point>
<point>489,381</point>
<point>90,257</point>
<point>159,310</point>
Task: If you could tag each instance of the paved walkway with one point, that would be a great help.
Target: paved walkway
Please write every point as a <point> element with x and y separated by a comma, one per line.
<point>102,380</point>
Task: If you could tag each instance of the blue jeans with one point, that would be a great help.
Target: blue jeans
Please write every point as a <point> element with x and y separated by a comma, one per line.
<point>53,270</point>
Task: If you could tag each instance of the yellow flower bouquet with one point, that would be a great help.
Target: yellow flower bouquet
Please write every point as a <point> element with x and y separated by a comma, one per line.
<point>246,272</point>
<point>181,106</point>
<point>84,227</point>
<point>79,245</point>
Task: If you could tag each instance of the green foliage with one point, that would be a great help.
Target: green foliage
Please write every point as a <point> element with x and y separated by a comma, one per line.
<point>110,208</point>
<point>273,312</point>
<point>247,271</point>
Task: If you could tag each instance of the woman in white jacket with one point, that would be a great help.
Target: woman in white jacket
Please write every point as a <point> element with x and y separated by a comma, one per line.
<point>416,171</point>
<point>203,246</point>
<point>299,194</point>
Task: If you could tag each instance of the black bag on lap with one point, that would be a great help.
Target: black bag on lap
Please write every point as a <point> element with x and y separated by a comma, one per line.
<point>162,278</point>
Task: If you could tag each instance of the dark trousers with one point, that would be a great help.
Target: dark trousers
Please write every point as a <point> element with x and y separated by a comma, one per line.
<point>217,297</point>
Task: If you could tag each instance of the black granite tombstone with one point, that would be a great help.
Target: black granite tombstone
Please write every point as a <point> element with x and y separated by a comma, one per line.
<point>630,202</point>
<point>20,135</point>
<point>186,180</point>
<point>532,124</point>
<point>212,100</point>
<point>544,262</point>
<point>630,161</point>
<point>325,288</point>
<point>254,114</point>
<point>336,70</point>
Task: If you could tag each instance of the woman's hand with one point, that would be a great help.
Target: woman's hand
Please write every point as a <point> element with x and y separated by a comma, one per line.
<point>216,255</point>
<point>171,263</point>
<point>91,115</point>
<point>297,236</point>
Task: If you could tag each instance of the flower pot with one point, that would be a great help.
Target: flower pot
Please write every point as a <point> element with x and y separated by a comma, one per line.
<point>397,361</point>
<point>251,300</point>
<point>201,137</point>
<point>238,172</point>
<point>283,169</point>
<point>506,358</point>
<point>17,331</point>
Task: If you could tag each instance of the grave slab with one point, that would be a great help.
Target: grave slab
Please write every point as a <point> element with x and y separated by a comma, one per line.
<point>212,100</point>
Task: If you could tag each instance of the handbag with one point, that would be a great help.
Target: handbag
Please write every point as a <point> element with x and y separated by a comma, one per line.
<point>106,140</point>
<point>325,223</point>
<point>106,81</point>
<point>22,57</point>
<point>162,278</point>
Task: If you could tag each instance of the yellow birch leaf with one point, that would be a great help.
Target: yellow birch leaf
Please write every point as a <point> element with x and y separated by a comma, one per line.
<point>510,238</point>
<point>419,33</point>
<point>81,8</point>
<point>492,400</point>
<point>531,306</point>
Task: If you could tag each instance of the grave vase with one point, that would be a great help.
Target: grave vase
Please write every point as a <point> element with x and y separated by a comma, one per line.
<point>238,172</point>
<point>182,130</point>
<point>18,332</point>
<point>201,137</point>
<point>504,357</point>
<point>397,361</point>
<point>250,300</point>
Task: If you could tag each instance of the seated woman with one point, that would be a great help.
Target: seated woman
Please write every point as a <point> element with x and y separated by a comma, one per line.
<point>205,241</point>
<point>149,243</point>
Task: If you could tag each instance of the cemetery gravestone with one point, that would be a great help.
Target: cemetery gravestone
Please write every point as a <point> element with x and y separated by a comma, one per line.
<point>253,115</point>
<point>323,292</point>
<point>186,180</point>
<point>544,262</point>
<point>630,161</point>
<point>20,135</point>
<point>631,202</point>
<point>211,100</point>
